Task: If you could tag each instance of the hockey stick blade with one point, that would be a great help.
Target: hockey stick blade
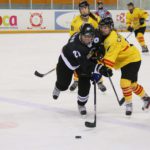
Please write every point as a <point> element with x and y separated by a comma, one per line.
<point>122,101</point>
<point>90,124</point>
<point>42,75</point>
<point>38,74</point>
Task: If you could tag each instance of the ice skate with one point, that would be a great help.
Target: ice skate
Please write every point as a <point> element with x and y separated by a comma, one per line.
<point>145,49</point>
<point>56,93</point>
<point>74,86</point>
<point>101,86</point>
<point>146,101</point>
<point>129,109</point>
<point>82,109</point>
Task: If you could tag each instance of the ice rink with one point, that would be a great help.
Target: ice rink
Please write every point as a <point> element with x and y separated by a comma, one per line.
<point>31,120</point>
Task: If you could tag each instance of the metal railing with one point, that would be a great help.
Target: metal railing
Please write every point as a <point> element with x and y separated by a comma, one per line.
<point>72,4</point>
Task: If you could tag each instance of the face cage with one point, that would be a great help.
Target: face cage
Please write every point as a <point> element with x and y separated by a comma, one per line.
<point>111,26</point>
<point>92,36</point>
<point>84,15</point>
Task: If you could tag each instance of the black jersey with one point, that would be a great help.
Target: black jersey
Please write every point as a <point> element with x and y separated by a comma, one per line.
<point>98,44</point>
<point>75,55</point>
<point>97,51</point>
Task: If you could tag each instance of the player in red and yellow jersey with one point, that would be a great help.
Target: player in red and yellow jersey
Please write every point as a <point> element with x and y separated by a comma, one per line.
<point>85,16</point>
<point>136,21</point>
<point>119,54</point>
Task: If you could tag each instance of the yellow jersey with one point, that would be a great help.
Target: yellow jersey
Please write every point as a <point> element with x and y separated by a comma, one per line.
<point>78,21</point>
<point>118,52</point>
<point>132,19</point>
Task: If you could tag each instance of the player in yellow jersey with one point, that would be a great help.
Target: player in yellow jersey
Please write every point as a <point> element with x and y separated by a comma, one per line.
<point>136,21</point>
<point>85,17</point>
<point>119,54</point>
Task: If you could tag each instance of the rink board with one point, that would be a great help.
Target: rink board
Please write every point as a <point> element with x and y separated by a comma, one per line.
<point>48,21</point>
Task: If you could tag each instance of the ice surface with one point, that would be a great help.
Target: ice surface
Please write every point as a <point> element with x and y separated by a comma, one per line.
<point>31,120</point>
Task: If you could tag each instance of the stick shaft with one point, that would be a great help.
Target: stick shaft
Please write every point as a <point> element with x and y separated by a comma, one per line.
<point>49,71</point>
<point>95,103</point>
<point>128,35</point>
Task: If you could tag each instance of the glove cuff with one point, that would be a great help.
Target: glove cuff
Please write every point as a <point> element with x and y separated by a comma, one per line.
<point>97,68</point>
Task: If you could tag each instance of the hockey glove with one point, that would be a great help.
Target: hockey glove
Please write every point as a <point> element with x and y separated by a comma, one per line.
<point>95,77</point>
<point>130,29</point>
<point>103,70</point>
<point>141,20</point>
<point>107,72</point>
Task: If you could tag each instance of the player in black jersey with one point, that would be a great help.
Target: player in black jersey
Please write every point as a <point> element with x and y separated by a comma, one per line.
<point>76,55</point>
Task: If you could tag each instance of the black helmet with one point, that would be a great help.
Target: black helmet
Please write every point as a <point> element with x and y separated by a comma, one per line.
<point>107,21</point>
<point>83,4</point>
<point>130,4</point>
<point>87,29</point>
<point>99,2</point>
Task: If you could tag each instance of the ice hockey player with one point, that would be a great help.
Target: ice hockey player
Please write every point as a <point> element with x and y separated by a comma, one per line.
<point>136,21</point>
<point>85,17</point>
<point>119,54</point>
<point>102,11</point>
<point>74,56</point>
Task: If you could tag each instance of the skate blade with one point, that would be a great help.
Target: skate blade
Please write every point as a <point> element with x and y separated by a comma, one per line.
<point>146,110</point>
<point>128,116</point>
<point>83,116</point>
<point>146,54</point>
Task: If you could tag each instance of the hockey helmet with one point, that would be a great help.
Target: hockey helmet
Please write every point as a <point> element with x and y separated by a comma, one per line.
<point>130,4</point>
<point>87,29</point>
<point>130,7</point>
<point>107,21</point>
<point>99,2</point>
<point>83,4</point>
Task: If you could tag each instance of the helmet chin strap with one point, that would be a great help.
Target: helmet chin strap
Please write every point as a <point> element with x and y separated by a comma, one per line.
<point>100,8</point>
<point>131,10</point>
<point>104,34</point>
<point>81,39</point>
<point>88,44</point>
<point>85,15</point>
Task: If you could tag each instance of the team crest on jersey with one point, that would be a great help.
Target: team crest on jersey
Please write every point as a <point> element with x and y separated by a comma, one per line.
<point>88,29</point>
<point>96,40</point>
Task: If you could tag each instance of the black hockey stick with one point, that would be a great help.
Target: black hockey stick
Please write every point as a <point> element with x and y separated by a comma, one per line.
<point>129,35</point>
<point>93,124</point>
<point>42,75</point>
<point>119,101</point>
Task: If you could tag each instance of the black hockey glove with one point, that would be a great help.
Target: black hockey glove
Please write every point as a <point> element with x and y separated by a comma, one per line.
<point>107,72</point>
<point>95,77</point>
<point>103,70</point>
<point>141,20</point>
<point>130,29</point>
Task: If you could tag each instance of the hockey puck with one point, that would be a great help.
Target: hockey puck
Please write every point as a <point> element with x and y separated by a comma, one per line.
<point>78,137</point>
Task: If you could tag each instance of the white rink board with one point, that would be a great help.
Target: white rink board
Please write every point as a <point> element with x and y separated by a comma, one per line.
<point>63,19</point>
<point>55,20</point>
<point>11,20</point>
